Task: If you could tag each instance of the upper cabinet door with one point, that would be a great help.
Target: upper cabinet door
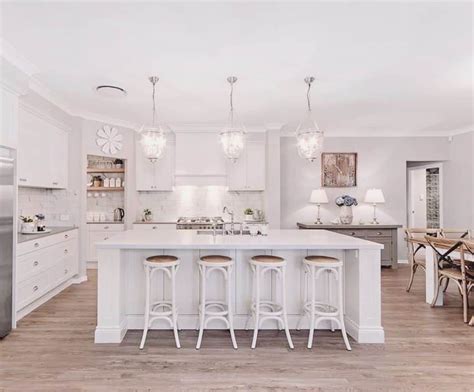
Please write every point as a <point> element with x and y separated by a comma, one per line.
<point>42,152</point>
<point>157,176</point>
<point>9,119</point>
<point>255,166</point>
<point>248,173</point>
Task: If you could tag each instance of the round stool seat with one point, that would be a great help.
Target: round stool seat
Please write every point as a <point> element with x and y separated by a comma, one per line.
<point>215,260</point>
<point>323,261</point>
<point>267,260</point>
<point>162,260</point>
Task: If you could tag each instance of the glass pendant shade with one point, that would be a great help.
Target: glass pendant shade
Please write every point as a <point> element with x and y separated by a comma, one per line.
<point>153,142</point>
<point>153,138</point>
<point>232,137</point>
<point>309,139</point>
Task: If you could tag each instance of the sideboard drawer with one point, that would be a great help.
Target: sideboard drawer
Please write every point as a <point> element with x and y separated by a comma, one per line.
<point>352,232</point>
<point>374,233</point>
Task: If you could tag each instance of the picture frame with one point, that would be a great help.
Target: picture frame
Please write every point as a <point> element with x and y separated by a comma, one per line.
<point>338,169</point>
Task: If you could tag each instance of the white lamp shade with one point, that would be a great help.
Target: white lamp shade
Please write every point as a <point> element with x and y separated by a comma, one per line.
<point>374,196</point>
<point>318,196</point>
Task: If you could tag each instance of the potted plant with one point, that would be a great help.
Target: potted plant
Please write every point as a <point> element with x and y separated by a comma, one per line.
<point>27,224</point>
<point>346,202</point>
<point>96,181</point>
<point>248,214</point>
<point>147,215</point>
<point>118,163</point>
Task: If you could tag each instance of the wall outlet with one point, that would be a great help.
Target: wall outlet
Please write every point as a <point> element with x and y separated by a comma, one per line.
<point>64,217</point>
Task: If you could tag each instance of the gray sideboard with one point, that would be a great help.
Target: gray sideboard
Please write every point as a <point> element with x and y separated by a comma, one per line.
<point>382,234</point>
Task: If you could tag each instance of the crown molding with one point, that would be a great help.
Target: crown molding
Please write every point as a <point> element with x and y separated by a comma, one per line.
<point>8,52</point>
<point>44,116</point>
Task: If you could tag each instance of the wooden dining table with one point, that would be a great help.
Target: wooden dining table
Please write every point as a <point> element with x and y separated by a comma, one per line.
<point>431,273</point>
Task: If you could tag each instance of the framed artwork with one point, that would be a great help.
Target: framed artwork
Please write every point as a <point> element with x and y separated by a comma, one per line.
<point>338,169</point>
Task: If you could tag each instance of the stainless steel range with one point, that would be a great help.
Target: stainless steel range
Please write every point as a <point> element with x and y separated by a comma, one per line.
<point>199,223</point>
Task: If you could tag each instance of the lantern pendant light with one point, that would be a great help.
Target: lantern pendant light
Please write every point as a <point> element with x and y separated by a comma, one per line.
<point>232,137</point>
<point>309,138</point>
<point>153,138</point>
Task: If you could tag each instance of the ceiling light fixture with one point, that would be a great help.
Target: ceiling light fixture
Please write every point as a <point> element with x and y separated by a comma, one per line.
<point>232,137</point>
<point>111,91</point>
<point>153,138</point>
<point>309,138</point>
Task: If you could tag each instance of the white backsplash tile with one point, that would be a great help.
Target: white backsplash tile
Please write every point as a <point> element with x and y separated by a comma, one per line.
<point>197,201</point>
<point>52,203</point>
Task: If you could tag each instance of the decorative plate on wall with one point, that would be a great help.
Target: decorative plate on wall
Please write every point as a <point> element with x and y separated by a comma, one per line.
<point>109,139</point>
<point>338,169</point>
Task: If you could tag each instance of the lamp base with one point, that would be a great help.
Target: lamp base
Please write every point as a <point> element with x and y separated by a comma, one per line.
<point>375,222</point>
<point>318,222</point>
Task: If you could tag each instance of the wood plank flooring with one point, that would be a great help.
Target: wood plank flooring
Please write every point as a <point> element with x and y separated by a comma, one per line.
<point>426,350</point>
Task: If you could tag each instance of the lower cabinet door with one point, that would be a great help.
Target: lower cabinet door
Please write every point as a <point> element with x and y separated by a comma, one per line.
<point>32,288</point>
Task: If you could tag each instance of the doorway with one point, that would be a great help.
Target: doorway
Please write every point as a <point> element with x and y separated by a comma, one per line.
<point>425,194</point>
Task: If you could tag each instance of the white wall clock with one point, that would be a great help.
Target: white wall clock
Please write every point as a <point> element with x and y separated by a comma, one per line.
<point>109,139</point>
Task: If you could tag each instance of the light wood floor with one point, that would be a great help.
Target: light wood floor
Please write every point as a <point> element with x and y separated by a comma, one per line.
<point>426,349</point>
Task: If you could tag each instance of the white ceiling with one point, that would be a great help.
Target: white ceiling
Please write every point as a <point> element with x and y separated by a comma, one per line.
<point>382,68</point>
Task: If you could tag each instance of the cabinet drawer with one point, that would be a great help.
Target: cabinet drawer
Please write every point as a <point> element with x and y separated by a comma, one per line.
<point>379,233</point>
<point>352,232</point>
<point>41,243</point>
<point>32,263</point>
<point>97,236</point>
<point>105,227</point>
<point>32,289</point>
<point>154,226</point>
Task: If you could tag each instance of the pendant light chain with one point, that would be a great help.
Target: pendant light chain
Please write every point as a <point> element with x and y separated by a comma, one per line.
<point>154,105</point>
<point>308,97</point>
<point>232,103</point>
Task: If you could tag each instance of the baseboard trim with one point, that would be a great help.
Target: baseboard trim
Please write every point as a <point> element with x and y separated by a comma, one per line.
<point>364,334</point>
<point>91,265</point>
<point>111,334</point>
<point>402,261</point>
<point>79,279</point>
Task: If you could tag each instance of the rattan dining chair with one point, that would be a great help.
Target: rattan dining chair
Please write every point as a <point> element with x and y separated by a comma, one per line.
<point>416,249</point>
<point>468,249</point>
<point>454,233</point>
<point>451,265</point>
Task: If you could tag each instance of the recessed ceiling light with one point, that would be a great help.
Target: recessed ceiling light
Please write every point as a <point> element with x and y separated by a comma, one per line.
<point>111,91</point>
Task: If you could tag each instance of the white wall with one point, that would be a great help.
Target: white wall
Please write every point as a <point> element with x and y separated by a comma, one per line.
<point>459,182</point>
<point>382,164</point>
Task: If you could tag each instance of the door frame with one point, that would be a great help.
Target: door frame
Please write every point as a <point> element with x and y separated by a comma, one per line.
<point>438,165</point>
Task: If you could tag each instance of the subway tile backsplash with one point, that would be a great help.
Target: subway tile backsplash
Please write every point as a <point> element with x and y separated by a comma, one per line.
<point>197,201</point>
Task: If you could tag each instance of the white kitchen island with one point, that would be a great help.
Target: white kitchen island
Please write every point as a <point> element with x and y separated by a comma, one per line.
<point>121,280</point>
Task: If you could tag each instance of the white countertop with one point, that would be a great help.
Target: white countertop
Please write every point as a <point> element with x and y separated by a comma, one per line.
<point>276,239</point>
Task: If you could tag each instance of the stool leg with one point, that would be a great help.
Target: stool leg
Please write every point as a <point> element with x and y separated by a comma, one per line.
<point>202,270</point>
<point>230,314</point>
<point>198,322</point>
<point>249,315</point>
<point>278,280</point>
<point>341,310</point>
<point>173,305</point>
<point>147,307</point>
<point>328,282</point>
<point>257,306</point>
<point>313,300</point>
<point>305,298</point>
<point>285,318</point>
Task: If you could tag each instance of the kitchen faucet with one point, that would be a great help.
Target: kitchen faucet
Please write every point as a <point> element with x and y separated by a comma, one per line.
<point>231,213</point>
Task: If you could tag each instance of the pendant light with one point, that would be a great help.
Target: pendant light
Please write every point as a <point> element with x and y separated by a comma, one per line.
<point>153,138</point>
<point>309,138</point>
<point>232,137</point>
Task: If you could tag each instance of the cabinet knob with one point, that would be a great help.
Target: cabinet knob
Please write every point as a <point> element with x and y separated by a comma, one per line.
<point>66,271</point>
<point>353,233</point>
<point>35,288</point>
<point>106,238</point>
<point>35,263</point>
<point>22,179</point>
<point>66,236</point>
<point>106,227</point>
<point>55,183</point>
<point>154,227</point>
<point>66,251</point>
<point>36,245</point>
<point>379,233</point>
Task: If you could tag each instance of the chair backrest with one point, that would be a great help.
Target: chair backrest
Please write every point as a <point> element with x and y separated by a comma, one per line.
<point>417,234</point>
<point>454,233</point>
<point>469,246</point>
<point>443,247</point>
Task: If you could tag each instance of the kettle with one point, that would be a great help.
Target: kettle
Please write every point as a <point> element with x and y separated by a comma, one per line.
<point>119,214</point>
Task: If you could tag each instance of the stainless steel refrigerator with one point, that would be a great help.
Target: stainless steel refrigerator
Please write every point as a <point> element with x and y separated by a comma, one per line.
<point>7,165</point>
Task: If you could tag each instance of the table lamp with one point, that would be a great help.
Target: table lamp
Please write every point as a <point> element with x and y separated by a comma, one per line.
<point>318,197</point>
<point>374,196</point>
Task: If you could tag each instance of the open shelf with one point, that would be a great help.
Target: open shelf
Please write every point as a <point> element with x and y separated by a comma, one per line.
<point>104,189</point>
<point>97,170</point>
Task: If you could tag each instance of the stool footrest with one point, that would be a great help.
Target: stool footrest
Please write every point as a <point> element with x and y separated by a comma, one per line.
<point>321,309</point>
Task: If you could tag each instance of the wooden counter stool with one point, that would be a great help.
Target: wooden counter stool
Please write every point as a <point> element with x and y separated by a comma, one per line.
<point>169,265</point>
<point>213,309</point>
<point>262,310</point>
<point>319,311</point>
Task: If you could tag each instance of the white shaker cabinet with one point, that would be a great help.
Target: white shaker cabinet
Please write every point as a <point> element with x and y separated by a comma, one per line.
<point>248,173</point>
<point>9,118</point>
<point>42,152</point>
<point>157,176</point>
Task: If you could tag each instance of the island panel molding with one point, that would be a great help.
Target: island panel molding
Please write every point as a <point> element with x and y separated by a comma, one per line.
<point>121,279</point>
<point>338,169</point>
